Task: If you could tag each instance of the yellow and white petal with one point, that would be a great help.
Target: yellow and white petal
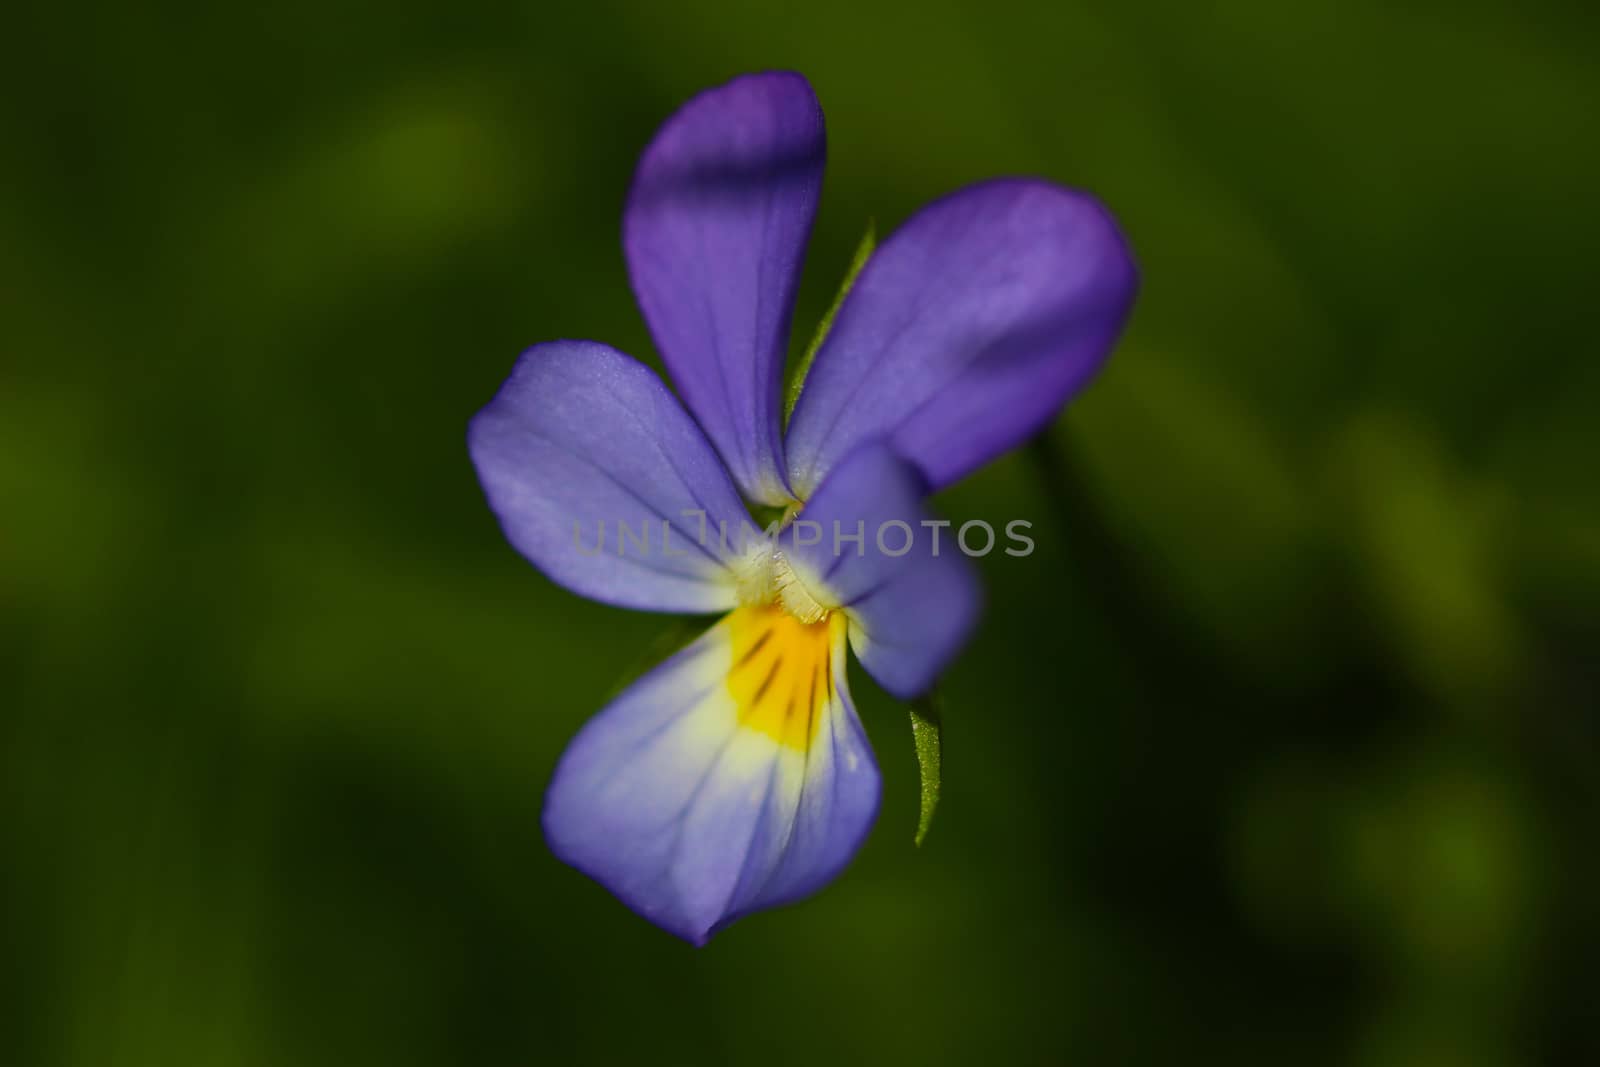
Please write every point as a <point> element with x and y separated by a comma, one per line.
<point>735,776</point>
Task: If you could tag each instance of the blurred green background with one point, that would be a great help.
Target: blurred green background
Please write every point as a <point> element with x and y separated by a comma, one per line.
<point>1281,749</point>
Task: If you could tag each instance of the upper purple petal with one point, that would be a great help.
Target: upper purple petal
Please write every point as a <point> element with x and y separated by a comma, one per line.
<point>715,233</point>
<point>966,331</point>
<point>911,596</point>
<point>581,442</point>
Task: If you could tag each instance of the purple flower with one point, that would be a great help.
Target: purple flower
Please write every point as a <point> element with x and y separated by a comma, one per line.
<point>736,775</point>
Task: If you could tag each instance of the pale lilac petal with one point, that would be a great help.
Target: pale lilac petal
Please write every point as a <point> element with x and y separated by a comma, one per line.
<point>677,800</point>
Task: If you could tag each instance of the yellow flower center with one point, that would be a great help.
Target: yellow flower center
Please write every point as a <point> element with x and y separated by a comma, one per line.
<point>782,674</point>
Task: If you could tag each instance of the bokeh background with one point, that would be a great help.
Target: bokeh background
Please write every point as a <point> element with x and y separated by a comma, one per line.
<point>1281,749</point>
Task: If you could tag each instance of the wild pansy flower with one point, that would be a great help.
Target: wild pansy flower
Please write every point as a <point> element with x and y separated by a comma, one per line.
<point>736,775</point>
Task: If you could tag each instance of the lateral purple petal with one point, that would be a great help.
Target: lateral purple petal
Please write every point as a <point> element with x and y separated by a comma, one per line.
<point>715,232</point>
<point>966,332</point>
<point>600,478</point>
<point>911,596</point>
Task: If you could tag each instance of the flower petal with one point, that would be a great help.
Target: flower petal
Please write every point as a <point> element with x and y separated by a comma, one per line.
<point>966,332</point>
<point>734,777</point>
<point>911,596</point>
<point>601,479</point>
<point>715,233</point>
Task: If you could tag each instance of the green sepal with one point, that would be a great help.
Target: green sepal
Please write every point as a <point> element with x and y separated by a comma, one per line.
<point>869,241</point>
<point>926,724</point>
